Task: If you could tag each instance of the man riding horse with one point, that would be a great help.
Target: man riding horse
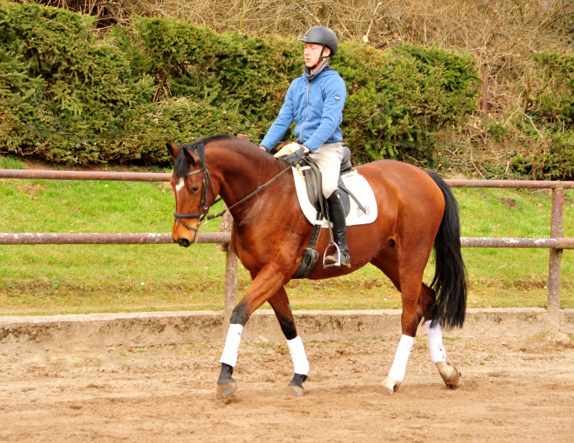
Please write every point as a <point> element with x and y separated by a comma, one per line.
<point>420,214</point>
<point>315,102</point>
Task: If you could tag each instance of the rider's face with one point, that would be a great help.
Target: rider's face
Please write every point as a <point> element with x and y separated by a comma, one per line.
<point>312,52</point>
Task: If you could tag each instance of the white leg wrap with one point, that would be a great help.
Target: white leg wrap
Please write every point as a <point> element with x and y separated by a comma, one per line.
<point>399,367</point>
<point>229,356</point>
<point>437,351</point>
<point>297,351</point>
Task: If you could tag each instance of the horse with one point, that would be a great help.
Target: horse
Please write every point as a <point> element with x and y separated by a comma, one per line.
<point>416,212</point>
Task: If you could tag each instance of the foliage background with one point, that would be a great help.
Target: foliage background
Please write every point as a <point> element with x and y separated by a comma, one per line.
<point>114,97</point>
<point>396,53</point>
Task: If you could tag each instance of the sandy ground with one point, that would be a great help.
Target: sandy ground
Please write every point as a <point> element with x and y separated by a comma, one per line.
<point>512,389</point>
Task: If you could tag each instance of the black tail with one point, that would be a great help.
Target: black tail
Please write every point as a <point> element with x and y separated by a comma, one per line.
<point>449,282</point>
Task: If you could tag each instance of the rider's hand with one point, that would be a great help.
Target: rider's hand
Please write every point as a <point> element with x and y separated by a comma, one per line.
<point>263,148</point>
<point>294,158</point>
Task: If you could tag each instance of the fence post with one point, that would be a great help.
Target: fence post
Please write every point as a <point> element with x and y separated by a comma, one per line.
<point>231,264</point>
<point>555,259</point>
<point>230,273</point>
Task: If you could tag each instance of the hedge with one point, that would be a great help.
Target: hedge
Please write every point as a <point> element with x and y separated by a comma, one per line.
<point>71,95</point>
<point>548,118</point>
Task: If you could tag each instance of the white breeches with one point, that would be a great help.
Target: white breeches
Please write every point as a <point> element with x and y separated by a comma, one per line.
<point>329,157</point>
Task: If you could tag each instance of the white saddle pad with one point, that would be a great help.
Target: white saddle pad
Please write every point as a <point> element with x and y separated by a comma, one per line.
<point>357,184</point>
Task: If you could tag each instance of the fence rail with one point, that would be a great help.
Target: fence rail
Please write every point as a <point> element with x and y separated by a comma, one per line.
<point>86,175</point>
<point>556,243</point>
<point>225,237</point>
<point>515,184</point>
<point>104,239</point>
<point>164,177</point>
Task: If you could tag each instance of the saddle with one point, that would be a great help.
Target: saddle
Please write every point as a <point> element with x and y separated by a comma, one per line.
<point>312,176</point>
<point>313,179</point>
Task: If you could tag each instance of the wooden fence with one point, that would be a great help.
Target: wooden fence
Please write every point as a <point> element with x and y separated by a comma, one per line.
<point>556,242</point>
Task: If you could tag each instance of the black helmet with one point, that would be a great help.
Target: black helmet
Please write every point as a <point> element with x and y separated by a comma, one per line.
<point>322,36</point>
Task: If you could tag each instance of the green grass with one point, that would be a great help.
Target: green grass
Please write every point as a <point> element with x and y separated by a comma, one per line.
<point>47,279</point>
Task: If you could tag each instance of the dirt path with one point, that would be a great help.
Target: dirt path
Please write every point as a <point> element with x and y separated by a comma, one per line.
<point>513,389</point>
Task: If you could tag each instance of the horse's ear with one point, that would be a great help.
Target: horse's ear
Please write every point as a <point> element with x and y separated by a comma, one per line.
<point>193,157</point>
<point>173,150</point>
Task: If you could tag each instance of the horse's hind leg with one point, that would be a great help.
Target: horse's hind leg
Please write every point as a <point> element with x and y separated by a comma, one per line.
<point>387,262</point>
<point>448,372</point>
<point>280,304</point>
<point>407,277</point>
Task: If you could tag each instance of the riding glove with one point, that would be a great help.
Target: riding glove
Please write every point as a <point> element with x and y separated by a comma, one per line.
<point>294,158</point>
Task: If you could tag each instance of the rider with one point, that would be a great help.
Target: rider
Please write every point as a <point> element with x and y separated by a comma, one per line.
<point>315,101</point>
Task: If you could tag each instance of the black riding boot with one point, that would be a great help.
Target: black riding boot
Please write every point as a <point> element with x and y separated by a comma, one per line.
<point>337,214</point>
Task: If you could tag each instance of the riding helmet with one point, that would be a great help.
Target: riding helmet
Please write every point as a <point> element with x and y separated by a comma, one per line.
<point>322,36</point>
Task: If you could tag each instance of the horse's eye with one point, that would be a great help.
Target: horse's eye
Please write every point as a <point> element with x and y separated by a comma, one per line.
<point>194,190</point>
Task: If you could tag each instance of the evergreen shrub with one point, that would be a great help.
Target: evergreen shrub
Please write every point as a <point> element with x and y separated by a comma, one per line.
<point>71,95</point>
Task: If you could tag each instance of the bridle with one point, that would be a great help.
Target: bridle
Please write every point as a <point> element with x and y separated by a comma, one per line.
<point>204,202</point>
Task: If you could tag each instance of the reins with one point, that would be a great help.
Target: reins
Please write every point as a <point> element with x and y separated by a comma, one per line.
<point>259,189</point>
<point>204,195</point>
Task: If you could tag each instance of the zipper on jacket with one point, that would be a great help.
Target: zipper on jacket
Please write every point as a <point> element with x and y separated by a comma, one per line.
<point>306,110</point>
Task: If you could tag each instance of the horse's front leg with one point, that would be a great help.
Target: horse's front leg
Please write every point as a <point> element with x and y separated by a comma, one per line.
<point>280,304</point>
<point>267,282</point>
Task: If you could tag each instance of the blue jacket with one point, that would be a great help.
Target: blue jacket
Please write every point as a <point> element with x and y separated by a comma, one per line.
<point>317,109</point>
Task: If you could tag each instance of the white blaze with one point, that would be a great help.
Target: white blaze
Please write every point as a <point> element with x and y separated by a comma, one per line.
<point>179,185</point>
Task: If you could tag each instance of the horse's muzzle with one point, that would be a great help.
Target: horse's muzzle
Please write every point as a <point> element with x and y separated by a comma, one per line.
<point>183,242</point>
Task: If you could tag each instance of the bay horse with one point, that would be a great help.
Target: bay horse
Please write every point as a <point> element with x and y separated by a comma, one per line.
<point>416,211</point>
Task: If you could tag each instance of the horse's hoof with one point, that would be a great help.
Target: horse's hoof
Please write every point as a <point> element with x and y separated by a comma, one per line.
<point>295,391</point>
<point>389,386</point>
<point>225,390</point>
<point>449,374</point>
<point>295,388</point>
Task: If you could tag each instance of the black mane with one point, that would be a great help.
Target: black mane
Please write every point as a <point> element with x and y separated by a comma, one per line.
<point>181,165</point>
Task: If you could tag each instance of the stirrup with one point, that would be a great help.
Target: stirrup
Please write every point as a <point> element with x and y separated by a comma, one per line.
<point>338,255</point>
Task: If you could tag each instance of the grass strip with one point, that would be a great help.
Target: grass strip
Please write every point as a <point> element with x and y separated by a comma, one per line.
<point>51,279</point>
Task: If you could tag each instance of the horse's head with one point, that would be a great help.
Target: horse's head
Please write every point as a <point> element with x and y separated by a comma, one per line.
<point>193,189</point>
